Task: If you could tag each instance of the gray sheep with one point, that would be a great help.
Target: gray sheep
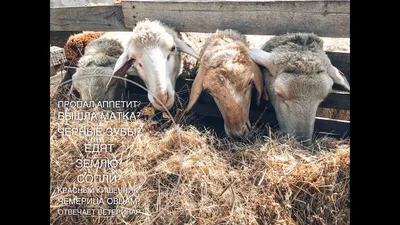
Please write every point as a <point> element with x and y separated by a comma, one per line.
<point>95,68</point>
<point>298,78</point>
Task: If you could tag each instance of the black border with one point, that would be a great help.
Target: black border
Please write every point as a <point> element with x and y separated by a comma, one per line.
<point>26,110</point>
<point>367,148</point>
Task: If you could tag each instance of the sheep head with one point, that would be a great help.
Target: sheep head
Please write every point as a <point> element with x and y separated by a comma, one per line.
<point>95,68</point>
<point>227,72</point>
<point>154,50</point>
<point>298,78</point>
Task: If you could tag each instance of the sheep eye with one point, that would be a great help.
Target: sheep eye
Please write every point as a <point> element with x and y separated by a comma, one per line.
<point>173,48</point>
<point>140,65</point>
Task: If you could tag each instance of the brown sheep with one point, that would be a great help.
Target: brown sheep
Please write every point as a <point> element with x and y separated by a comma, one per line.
<point>75,46</point>
<point>228,73</point>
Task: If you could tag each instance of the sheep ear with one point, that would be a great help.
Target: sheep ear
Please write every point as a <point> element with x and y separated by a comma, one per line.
<point>258,81</point>
<point>121,67</point>
<point>338,77</point>
<point>197,88</point>
<point>183,47</point>
<point>263,58</point>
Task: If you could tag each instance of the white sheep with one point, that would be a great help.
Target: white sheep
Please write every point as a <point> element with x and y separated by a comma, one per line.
<point>298,78</point>
<point>228,73</point>
<point>153,50</point>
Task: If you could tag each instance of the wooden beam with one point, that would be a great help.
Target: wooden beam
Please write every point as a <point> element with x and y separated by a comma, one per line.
<point>324,18</point>
<point>87,18</point>
<point>337,100</point>
<point>338,128</point>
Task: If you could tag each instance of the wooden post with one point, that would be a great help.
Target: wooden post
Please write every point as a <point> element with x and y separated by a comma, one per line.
<point>57,59</point>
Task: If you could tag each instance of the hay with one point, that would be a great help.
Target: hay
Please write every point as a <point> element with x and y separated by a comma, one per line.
<point>270,180</point>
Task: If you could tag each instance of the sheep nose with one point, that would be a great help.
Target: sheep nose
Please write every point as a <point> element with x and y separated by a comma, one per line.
<point>162,101</point>
<point>239,135</point>
<point>234,135</point>
<point>162,98</point>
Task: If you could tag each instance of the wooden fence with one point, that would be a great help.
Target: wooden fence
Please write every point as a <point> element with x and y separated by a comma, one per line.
<point>328,18</point>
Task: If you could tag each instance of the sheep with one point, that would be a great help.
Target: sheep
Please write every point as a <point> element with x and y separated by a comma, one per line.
<point>298,77</point>
<point>153,50</point>
<point>75,46</point>
<point>100,58</point>
<point>228,73</point>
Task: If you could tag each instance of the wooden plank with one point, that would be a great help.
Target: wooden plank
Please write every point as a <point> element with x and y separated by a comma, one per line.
<point>324,18</point>
<point>87,18</point>
<point>337,100</point>
<point>338,128</point>
<point>57,56</point>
